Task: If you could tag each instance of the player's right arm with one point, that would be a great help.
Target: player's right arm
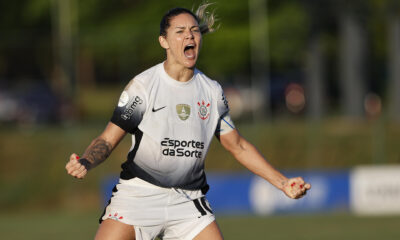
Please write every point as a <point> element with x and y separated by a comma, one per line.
<point>126,118</point>
<point>98,151</point>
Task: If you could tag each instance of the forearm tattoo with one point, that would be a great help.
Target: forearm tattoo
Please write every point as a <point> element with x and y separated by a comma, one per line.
<point>98,151</point>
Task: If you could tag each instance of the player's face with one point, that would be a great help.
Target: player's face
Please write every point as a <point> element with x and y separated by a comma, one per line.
<point>183,40</point>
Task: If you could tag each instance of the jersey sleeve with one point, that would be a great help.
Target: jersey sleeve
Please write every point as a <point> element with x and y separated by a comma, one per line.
<point>225,123</point>
<point>131,107</point>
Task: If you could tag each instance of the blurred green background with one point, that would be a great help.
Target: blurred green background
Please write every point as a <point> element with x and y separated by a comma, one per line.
<point>313,84</point>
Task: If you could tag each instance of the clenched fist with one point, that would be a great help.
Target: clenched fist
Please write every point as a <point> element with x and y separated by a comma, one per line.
<point>75,167</point>
<point>296,188</point>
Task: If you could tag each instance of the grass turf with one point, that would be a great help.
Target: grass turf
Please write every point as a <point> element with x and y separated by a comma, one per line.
<point>72,225</point>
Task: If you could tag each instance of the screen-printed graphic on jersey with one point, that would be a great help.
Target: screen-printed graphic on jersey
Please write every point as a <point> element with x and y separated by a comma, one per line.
<point>225,100</point>
<point>128,112</point>
<point>183,111</point>
<point>182,148</point>
<point>204,112</point>
<point>123,99</point>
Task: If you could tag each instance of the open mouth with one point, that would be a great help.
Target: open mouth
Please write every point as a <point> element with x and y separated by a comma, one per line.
<point>189,51</point>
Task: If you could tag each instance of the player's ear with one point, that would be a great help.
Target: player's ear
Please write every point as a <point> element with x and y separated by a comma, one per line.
<point>163,42</point>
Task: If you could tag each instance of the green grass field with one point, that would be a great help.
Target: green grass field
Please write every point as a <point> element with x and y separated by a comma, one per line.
<point>77,226</point>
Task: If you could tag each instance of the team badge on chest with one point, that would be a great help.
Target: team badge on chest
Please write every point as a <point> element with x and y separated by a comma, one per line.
<point>204,110</point>
<point>183,111</point>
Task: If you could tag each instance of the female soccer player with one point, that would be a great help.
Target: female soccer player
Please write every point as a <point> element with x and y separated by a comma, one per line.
<point>172,111</point>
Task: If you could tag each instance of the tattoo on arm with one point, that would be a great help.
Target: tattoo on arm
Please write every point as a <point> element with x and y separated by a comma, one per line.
<point>97,152</point>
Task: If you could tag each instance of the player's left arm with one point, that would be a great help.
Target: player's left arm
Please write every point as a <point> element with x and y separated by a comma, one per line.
<point>253,160</point>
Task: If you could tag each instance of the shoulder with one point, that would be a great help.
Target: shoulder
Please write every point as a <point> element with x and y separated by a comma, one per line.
<point>208,81</point>
<point>149,73</point>
<point>145,78</point>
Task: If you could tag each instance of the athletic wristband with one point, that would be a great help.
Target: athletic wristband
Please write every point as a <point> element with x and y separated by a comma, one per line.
<point>85,163</point>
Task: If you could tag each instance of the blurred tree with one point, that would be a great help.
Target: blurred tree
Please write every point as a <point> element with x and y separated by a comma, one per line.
<point>120,37</point>
<point>288,31</point>
<point>116,40</point>
<point>316,78</point>
<point>64,29</point>
<point>352,57</point>
<point>123,38</point>
<point>393,22</point>
<point>258,14</point>
<point>25,37</point>
<point>315,74</point>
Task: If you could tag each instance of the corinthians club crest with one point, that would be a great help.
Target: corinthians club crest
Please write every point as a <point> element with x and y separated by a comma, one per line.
<point>183,111</point>
<point>204,111</point>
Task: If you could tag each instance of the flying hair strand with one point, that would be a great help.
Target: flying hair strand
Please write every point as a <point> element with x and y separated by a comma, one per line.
<point>206,18</point>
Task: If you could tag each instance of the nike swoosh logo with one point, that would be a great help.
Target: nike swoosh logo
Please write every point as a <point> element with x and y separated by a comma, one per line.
<point>158,109</point>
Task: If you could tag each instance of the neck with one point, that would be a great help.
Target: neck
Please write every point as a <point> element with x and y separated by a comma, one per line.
<point>178,72</point>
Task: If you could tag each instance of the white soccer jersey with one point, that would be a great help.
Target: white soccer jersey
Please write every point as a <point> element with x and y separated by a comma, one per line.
<point>172,124</point>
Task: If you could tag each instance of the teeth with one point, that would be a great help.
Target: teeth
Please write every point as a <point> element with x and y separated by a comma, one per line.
<point>189,46</point>
<point>189,54</point>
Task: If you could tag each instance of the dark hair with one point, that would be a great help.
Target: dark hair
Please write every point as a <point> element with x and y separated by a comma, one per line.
<point>205,19</point>
<point>165,21</point>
